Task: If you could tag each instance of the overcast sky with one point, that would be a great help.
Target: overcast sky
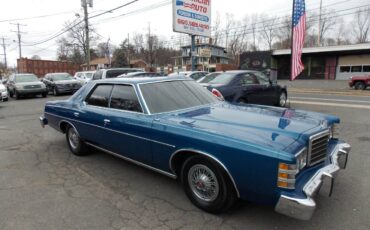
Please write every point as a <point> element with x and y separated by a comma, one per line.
<point>160,19</point>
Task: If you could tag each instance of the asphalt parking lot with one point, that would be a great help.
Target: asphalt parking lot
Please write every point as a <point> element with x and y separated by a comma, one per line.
<point>43,186</point>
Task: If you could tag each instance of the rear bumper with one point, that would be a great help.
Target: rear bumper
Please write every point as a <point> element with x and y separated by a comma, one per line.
<point>322,181</point>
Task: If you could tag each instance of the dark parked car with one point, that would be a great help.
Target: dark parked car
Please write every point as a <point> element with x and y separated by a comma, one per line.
<point>219,151</point>
<point>247,87</point>
<point>61,83</point>
<point>209,77</point>
<point>25,85</point>
<point>195,75</point>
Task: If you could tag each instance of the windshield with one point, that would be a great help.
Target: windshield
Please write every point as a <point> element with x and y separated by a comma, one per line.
<point>89,75</point>
<point>26,78</point>
<point>209,77</point>
<point>168,96</point>
<point>62,77</point>
<point>222,79</point>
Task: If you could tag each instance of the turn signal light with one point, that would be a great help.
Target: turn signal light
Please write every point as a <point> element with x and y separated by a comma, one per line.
<point>286,176</point>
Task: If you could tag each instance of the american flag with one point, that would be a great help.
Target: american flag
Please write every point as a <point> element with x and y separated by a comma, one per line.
<point>298,34</point>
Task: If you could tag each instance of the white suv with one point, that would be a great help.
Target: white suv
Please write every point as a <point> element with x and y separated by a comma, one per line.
<point>113,73</point>
<point>84,77</point>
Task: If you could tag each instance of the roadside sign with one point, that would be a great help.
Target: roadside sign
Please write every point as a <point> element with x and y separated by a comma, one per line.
<point>205,52</point>
<point>192,17</point>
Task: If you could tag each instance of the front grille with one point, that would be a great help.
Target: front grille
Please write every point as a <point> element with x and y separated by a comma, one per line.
<point>318,148</point>
<point>32,86</point>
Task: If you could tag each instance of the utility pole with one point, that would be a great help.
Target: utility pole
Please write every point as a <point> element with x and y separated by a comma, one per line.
<point>19,38</point>
<point>108,54</point>
<point>4,48</point>
<point>128,50</point>
<point>319,31</point>
<point>87,42</point>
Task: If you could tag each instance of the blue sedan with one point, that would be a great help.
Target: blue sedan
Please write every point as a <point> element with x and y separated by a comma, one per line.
<point>220,152</point>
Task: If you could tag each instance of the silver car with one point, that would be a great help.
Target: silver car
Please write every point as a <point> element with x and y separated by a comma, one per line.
<point>25,84</point>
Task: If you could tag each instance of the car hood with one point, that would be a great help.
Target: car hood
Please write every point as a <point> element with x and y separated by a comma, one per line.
<point>270,127</point>
<point>66,82</point>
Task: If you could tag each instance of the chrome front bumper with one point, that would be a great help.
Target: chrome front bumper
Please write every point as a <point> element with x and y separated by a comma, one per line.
<point>43,121</point>
<point>322,181</point>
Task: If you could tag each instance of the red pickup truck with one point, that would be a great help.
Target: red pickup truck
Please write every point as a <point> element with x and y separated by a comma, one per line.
<point>359,82</point>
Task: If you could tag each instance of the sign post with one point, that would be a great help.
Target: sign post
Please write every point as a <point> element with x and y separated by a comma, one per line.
<point>192,17</point>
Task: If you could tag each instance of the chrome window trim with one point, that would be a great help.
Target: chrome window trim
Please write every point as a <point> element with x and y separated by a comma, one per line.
<point>110,96</point>
<point>127,134</point>
<point>317,135</point>
<point>171,175</point>
<point>209,156</point>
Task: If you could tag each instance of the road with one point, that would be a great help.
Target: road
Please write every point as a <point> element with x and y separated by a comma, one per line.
<point>43,186</point>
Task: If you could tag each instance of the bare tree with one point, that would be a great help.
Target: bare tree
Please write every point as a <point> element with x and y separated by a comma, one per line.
<point>269,31</point>
<point>238,40</point>
<point>229,24</point>
<point>327,23</point>
<point>216,29</point>
<point>361,25</point>
<point>253,26</point>
<point>284,33</point>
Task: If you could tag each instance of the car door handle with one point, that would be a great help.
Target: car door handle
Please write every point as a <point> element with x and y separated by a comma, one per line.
<point>76,114</point>
<point>106,121</point>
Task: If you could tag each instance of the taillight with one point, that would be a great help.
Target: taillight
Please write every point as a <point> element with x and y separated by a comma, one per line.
<point>217,94</point>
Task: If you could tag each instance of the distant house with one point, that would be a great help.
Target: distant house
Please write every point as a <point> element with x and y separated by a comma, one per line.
<point>138,63</point>
<point>98,63</point>
<point>208,57</point>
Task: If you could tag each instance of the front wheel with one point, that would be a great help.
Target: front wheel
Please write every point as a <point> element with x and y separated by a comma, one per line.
<point>16,95</point>
<point>75,144</point>
<point>207,185</point>
<point>360,86</point>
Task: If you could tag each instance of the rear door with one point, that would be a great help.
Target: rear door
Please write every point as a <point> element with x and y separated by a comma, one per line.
<point>251,88</point>
<point>269,92</point>
<point>128,127</point>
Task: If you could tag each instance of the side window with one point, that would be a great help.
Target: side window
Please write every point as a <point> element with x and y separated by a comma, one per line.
<point>97,75</point>
<point>263,80</point>
<point>357,69</point>
<point>345,69</point>
<point>366,68</point>
<point>100,96</point>
<point>248,79</point>
<point>124,97</point>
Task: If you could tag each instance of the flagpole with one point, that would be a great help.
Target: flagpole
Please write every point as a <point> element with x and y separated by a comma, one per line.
<point>291,44</point>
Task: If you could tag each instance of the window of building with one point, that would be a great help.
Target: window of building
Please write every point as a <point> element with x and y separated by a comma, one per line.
<point>345,69</point>
<point>366,68</point>
<point>100,96</point>
<point>356,69</point>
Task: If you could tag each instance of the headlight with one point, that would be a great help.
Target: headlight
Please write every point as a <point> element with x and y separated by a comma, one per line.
<point>301,158</point>
<point>19,86</point>
<point>288,172</point>
<point>334,131</point>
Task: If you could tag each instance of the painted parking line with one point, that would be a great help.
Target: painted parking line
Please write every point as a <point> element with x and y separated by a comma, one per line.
<point>326,99</point>
<point>330,104</point>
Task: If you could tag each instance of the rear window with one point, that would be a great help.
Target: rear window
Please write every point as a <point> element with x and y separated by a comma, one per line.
<point>175,95</point>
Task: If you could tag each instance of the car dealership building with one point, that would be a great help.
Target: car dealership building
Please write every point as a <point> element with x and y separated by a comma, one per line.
<point>327,63</point>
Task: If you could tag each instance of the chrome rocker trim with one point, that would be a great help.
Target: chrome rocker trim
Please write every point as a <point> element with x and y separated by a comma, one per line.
<point>322,181</point>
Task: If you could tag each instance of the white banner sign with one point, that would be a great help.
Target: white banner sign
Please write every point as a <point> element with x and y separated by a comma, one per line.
<point>192,17</point>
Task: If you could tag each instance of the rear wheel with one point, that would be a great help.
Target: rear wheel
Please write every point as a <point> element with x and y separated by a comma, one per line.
<point>360,85</point>
<point>75,144</point>
<point>207,185</point>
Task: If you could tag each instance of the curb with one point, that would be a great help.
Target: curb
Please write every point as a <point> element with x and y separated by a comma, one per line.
<point>345,92</point>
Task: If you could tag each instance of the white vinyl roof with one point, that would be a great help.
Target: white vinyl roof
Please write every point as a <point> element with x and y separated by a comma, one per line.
<point>326,49</point>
